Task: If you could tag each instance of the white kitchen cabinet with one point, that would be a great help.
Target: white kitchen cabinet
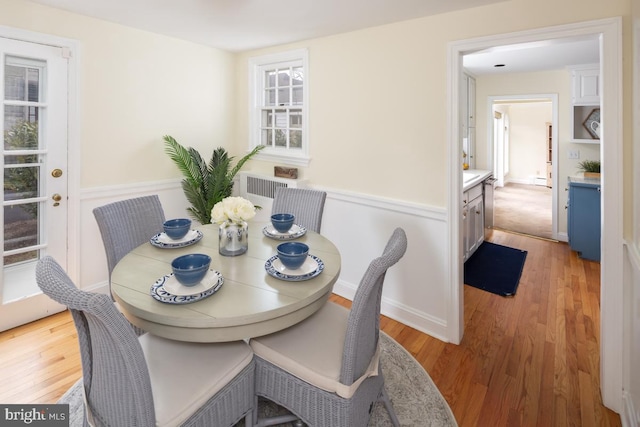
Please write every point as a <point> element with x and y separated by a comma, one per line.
<point>586,85</point>
<point>472,219</point>
<point>468,119</point>
<point>471,101</point>
<point>585,103</point>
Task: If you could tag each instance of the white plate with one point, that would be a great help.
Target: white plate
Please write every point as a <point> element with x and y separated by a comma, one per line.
<point>294,232</point>
<point>174,287</point>
<point>159,293</point>
<point>161,240</point>
<point>311,267</point>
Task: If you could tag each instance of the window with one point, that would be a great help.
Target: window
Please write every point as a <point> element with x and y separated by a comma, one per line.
<point>279,105</point>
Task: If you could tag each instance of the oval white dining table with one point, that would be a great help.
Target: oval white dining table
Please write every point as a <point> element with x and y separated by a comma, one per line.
<point>250,302</point>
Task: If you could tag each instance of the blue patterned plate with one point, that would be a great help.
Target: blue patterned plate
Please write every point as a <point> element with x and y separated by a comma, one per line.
<point>161,240</point>
<point>294,232</point>
<point>212,283</point>
<point>310,269</point>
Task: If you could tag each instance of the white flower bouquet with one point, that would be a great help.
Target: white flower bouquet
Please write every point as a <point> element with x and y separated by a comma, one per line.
<point>233,209</point>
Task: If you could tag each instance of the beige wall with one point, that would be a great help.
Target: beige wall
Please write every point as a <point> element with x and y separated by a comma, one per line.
<point>378,96</point>
<point>528,149</point>
<point>134,88</point>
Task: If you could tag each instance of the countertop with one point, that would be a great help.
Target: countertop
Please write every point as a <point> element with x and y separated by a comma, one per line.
<point>581,180</point>
<point>473,177</point>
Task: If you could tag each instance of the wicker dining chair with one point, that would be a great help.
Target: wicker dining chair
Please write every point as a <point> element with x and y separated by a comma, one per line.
<point>150,381</point>
<point>326,369</point>
<point>126,224</point>
<point>307,205</point>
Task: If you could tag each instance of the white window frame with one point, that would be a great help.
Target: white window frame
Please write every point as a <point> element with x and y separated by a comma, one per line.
<point>257,66</point>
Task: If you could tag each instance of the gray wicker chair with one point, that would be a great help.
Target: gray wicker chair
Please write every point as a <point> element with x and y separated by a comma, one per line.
<point>307,205</point>
<point>325,369</point>
<point>126,224</point>
<point>148,381</point>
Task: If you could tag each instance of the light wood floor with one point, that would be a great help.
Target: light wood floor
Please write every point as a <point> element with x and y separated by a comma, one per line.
<point>529,360</point>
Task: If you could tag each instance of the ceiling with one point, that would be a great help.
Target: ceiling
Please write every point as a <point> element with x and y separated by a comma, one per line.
<point>239,25</point>
<point>535,56</point>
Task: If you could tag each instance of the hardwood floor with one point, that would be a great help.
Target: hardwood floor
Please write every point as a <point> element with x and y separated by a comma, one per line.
<point>529,360</point>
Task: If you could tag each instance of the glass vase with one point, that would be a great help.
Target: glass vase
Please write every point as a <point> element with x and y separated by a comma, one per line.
<point>233,238</point>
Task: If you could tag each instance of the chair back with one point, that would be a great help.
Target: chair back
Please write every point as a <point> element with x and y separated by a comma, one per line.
<point>363,325</point>
<point>307,205</point>
<point>115,376</point>
<point>126,224</point>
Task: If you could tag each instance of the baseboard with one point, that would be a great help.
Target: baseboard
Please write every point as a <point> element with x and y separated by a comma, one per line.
<point>402,313</point>
<point>628,416</point>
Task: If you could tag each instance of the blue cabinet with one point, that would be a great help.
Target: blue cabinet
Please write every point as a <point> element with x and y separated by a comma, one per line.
<point>584,217</point>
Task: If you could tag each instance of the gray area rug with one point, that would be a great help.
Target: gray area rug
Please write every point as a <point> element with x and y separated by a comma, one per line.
<point>416,399</point>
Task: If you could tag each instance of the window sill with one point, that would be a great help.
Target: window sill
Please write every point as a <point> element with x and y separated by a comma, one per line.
<point>282,158</point>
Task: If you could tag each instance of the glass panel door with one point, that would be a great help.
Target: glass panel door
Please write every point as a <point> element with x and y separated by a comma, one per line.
<point>34,214</point>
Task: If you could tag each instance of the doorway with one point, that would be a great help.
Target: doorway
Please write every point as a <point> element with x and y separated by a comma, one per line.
<point>524,146</point>
<point>34,215</point>
<point>609,33</point>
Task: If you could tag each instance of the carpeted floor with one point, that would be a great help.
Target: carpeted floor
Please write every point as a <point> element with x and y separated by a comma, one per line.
<point>416,399</point>
<point>524,209</point>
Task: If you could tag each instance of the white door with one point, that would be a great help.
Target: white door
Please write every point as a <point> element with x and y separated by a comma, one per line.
<point>34,214</point>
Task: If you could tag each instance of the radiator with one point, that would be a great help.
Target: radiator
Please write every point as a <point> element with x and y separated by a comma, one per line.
<point>260,189</point>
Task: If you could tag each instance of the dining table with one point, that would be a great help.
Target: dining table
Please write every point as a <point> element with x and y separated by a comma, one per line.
<point>250,298</point>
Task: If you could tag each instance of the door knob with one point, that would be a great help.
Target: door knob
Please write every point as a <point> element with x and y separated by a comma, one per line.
<point>56,173</point>
<point>56,199</point>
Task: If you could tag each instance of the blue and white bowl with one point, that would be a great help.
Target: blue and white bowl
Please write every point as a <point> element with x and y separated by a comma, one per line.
<point>282,222</point>
<point>190,269</point>
<point>177,228</point>
<point>292,254</point>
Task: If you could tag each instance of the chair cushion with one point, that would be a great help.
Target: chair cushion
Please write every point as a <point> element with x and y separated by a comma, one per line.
<point>312,350</point>
<point>185,375</point>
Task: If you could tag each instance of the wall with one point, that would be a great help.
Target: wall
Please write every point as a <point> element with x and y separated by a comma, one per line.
<point>134,88</point>
<point>528,141</point>
<point>632,250</point>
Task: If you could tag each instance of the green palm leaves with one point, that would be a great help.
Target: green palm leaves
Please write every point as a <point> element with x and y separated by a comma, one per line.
<point>205,184</point>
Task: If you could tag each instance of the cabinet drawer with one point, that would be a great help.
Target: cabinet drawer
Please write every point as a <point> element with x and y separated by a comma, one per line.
<point>471,194</point>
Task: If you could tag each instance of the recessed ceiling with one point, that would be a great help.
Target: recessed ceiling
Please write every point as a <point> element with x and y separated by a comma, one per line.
<point>535,56</point>
<point>238,25</point>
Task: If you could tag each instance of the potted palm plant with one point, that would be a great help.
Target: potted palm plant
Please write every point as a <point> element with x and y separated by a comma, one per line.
<point>205,184</point>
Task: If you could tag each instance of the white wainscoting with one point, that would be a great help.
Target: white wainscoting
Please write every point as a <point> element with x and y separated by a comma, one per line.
<point>93,261</point>
<point>415,291</point>
<point>631,374</point>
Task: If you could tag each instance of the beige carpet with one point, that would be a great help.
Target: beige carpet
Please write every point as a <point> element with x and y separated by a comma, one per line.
<point>523,209</point>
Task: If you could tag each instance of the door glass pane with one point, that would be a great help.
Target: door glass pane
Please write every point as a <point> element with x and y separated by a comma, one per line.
<point>23,83</point>
<point>21,182</point>
<point>21,231</point>
<point>21,127</point>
